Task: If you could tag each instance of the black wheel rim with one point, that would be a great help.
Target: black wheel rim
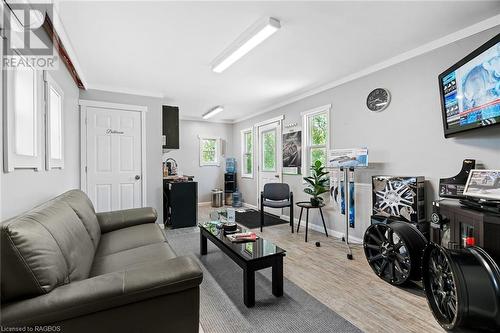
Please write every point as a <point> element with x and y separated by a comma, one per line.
<point>462,287</point>
<point>387,254</point>
<point>442,287</point>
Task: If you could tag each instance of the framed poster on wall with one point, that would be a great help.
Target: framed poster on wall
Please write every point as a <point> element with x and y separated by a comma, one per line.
<point>292,153</point>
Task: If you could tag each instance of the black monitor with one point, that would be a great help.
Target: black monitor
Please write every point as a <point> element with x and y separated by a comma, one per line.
<point>470,90</point>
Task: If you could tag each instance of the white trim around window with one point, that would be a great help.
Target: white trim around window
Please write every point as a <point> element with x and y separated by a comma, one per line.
<point>245,153</point>
<point>54,124</point>
<point>306,116</point>
<point>217,154</point>
<point>22,118</point>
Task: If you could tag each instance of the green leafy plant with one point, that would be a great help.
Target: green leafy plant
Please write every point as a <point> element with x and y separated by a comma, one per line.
<point>317,183</point>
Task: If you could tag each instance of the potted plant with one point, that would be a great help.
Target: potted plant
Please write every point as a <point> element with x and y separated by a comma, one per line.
<point>317,183</point>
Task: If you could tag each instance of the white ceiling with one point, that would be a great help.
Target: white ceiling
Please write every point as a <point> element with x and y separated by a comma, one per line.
<point>165,48</point>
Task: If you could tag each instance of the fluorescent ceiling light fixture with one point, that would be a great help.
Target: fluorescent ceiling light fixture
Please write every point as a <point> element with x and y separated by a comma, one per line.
<point>213,112</point>
<point>255,35</point>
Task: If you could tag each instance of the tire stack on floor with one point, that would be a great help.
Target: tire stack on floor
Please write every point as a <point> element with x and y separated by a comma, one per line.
<point>394,251</point>
<point>462,286</point>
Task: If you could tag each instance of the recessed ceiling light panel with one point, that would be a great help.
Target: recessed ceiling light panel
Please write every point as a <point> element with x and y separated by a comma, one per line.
<point>213,112</point>
<point>255,35</point>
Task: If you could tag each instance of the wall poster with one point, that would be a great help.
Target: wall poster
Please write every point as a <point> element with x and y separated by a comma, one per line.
<point>292,153</point>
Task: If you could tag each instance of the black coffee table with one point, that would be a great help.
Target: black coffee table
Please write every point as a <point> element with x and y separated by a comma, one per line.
<point>250,256</point>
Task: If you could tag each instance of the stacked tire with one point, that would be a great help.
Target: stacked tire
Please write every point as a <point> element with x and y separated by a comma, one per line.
<point>394,251</point>
<point>462,286</point>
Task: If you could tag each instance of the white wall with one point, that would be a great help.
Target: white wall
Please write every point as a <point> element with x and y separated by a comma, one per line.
<point>188,156</point>
<point>154,181</point>
<point>21,190</point>
<point>405,139</point>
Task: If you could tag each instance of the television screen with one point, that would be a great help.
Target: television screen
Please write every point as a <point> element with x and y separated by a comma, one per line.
<point>470,90</point>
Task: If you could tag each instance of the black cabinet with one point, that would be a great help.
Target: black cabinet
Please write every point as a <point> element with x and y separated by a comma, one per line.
<point>170,122</point>
<point>461,222</point>
<point>230,182</point>
<point>180,204</point>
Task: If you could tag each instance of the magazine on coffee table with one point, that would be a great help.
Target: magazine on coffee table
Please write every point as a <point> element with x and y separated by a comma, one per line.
<point>243,237</point>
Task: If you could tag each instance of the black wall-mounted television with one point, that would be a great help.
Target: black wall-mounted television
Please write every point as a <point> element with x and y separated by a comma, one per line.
<point>470,90</point>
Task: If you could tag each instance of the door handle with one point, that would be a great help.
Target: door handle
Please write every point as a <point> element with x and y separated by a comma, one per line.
<point>277,176</point>
<point>137,177</point>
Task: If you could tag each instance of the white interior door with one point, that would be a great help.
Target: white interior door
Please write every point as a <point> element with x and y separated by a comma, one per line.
<point>270,159</point>
<point>114,152</point>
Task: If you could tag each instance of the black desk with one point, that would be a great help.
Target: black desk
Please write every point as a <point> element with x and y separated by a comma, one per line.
<point>307,205</point>
<point>251,256</point>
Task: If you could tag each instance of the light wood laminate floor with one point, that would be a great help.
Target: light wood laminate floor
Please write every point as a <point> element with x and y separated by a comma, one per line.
<point>348,287</point>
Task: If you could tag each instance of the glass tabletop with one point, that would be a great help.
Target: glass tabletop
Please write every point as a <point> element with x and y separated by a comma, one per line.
<point>307,204</point>
<point>259,248</point>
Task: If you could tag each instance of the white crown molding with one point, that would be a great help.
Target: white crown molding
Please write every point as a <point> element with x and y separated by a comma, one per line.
<point>426,48</point>
<point>61,32</point>
<point>127,91</point>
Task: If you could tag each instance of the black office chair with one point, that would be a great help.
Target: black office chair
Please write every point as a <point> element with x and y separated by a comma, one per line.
<point>276,195</point>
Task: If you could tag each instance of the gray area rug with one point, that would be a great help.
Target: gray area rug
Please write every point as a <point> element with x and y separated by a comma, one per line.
<point>222,309</point>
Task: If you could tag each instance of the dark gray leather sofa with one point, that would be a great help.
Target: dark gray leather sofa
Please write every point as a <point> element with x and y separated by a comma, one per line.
<point>64,265</point>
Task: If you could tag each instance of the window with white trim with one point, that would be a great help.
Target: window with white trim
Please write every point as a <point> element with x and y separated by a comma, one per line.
<point>247,153</point>
<point>54,114</point>
<point>209,151</point>
<point>23,122</point>
<point>316,136</point>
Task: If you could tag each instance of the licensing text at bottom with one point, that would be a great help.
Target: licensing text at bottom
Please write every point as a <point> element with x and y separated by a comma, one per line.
<point>30,329</point>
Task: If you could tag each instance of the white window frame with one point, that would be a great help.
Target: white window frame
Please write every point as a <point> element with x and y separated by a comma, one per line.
<point>217,151</point>
<point>53,163</point>
<point>244,152</point>
<point>12,160</point>
<point>306,132</point>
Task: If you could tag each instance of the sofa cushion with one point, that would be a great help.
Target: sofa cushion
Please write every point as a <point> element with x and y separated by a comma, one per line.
<point>128,259</point>
<point>42,249</point>
<point>83,207</point>
<point>129,238</point>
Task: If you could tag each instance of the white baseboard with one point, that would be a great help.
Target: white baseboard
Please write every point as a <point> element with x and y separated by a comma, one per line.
<point>247,205</point>
<point>319,228</point>
<point>209,203</point>
<point>315,227</point>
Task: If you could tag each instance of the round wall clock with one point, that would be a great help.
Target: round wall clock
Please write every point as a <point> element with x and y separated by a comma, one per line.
<point>378,99</point>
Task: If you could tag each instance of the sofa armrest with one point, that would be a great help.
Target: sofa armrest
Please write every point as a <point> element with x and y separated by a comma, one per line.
<point>106,291</point>
<point>119,219</point>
